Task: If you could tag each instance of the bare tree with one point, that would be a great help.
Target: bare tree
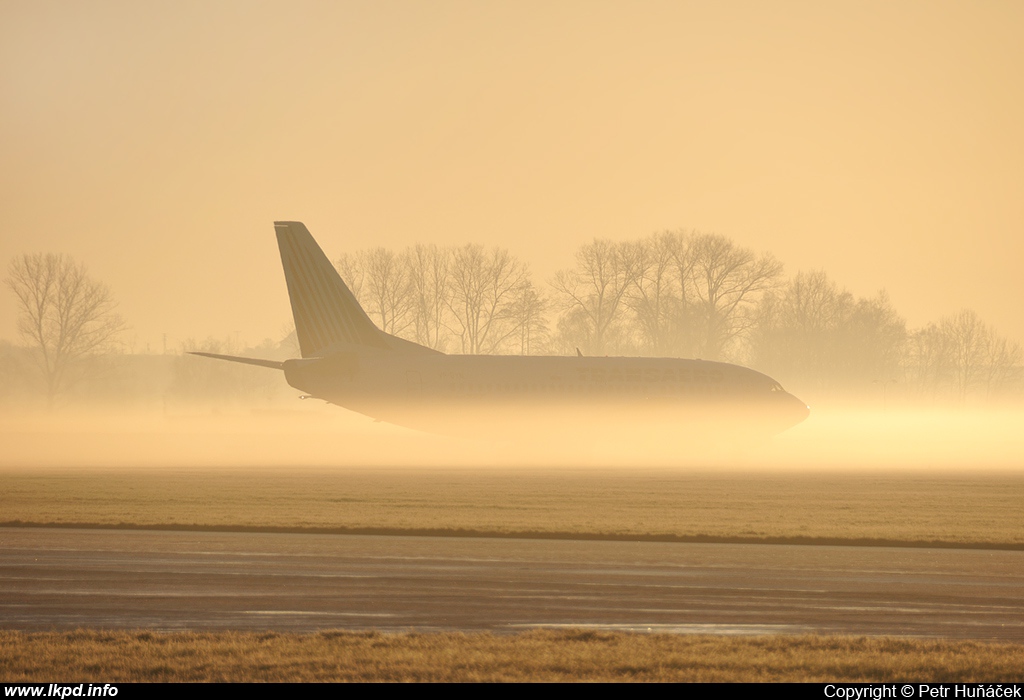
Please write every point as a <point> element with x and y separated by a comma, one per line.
<point>967,343</point>
<point>659,294</point>
<point>928,359</point>
<point>527,320</point>
<point>964,354</point>
<point>591,294</point>
<point>352,268</point>
<point>64,315</point>
<point>387,289</point>
<point>813,331</point>
<point>728,281</point>
<point>379,280</point>
<point>977,355</point>
<point>1004,371</point>
<point>430,287</point>
<point>874,345</point>
<point>483,286</point>
<point>798,329</point>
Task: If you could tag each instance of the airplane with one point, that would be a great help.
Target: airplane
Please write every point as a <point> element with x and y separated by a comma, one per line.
<point>346,360</point>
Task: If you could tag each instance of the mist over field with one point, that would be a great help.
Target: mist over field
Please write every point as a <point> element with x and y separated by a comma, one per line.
<point>313,434</point>
<point>880,394</point>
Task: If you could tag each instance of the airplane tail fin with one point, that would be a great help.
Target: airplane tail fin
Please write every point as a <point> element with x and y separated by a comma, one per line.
<point>325,310</point>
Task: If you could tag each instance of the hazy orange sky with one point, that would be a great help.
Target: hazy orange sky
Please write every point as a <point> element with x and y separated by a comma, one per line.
<point>157,142</point>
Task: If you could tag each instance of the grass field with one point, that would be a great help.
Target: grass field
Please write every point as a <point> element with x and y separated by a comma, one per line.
<point>911,477</point>
<point>902,507</point>
<point>572,655</point>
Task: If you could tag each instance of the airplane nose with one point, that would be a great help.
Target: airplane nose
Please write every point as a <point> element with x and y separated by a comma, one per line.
<point>800,410</point>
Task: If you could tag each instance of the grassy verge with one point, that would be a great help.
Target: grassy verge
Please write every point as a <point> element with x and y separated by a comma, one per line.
<point>901,508</point>
<point>572,655</point>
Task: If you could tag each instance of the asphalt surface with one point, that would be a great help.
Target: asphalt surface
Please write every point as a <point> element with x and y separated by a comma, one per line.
<point>63,579</point>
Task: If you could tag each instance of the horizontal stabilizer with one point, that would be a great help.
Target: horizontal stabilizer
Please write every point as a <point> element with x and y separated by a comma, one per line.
<point>272,364</point>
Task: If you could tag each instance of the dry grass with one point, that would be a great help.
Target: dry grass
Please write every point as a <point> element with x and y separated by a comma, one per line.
<point>574,655</point>
<point>906,507</point>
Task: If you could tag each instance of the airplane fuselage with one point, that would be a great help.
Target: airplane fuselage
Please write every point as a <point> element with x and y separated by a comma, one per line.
<point>451,393</point>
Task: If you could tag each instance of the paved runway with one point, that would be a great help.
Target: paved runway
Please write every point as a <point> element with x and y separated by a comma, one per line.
<point>59,579</point>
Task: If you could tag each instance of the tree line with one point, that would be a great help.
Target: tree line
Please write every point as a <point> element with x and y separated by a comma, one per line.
<point>679,294</point>
<point>671,294</point>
